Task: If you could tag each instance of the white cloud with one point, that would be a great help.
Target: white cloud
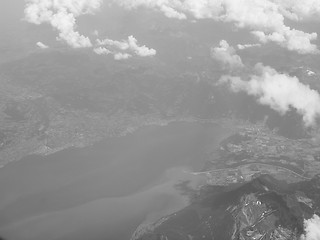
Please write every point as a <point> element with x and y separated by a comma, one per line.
<point>141,51</point>
<point>131,44</point>
<point>172,13</point>
<point>300,10</point>
<point>226,54</point>
<point>203,9</point>
<point>61,15</point>
<point>101,51</point>
<point>279,91</point>
<point>291,39</point>
<point>265,18</point>
<point>170,8</point>
<point>42,45</point>
<point>312,229</point>
<point>122,56</point>
<point>245,46</point>
<point>122,45</point>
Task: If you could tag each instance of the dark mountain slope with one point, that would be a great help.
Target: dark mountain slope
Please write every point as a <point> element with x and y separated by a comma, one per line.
<point>264,208</point>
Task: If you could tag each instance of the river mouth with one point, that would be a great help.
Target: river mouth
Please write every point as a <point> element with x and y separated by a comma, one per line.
<point>103,191</point>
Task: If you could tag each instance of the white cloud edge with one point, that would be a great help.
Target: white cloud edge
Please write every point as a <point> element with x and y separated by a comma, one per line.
<point>124,49</point>
<point>264,18</point>
<point>42,45</point>
<point>62,16</point>
<point>311,229</point>
<point>279,91</point>
<point>226,55</point>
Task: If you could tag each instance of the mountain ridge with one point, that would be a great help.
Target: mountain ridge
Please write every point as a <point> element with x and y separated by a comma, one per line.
<point>264,208</point>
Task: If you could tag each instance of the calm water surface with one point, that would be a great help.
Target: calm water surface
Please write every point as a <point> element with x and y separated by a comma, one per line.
<point>103,191</point>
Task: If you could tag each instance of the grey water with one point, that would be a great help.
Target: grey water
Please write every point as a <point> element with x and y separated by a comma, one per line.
<point>106,190</point>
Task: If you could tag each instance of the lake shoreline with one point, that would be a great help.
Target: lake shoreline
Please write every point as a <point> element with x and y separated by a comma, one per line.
<point>69,181</point>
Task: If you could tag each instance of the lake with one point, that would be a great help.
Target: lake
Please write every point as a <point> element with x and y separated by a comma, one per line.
<point>106,190</point>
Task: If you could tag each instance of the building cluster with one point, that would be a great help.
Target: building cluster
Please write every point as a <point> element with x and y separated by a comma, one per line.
<point>256,144</point>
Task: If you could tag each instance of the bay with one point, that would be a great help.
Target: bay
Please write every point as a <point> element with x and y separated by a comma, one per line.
<point>106,190</point>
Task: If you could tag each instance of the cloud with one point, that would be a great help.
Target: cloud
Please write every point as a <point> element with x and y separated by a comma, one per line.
<point>42,45</point>
<point>279,91</point>
<point>102,51</point>
<point>293,40</point>
<point>122,56</point>
<point>122,45</point>
<point>141,51</point>
<point>130,44</point>
<point>168,7</point>
<point>300,10</point>
<point>245,46</point>
<point>172,13</point>
<point>312,229</point>
<point>226,55</point>
<point>62,15</point>
<point>264,18</point>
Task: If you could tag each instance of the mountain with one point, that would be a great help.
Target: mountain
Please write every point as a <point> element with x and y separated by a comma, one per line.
<point>264,208</point>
